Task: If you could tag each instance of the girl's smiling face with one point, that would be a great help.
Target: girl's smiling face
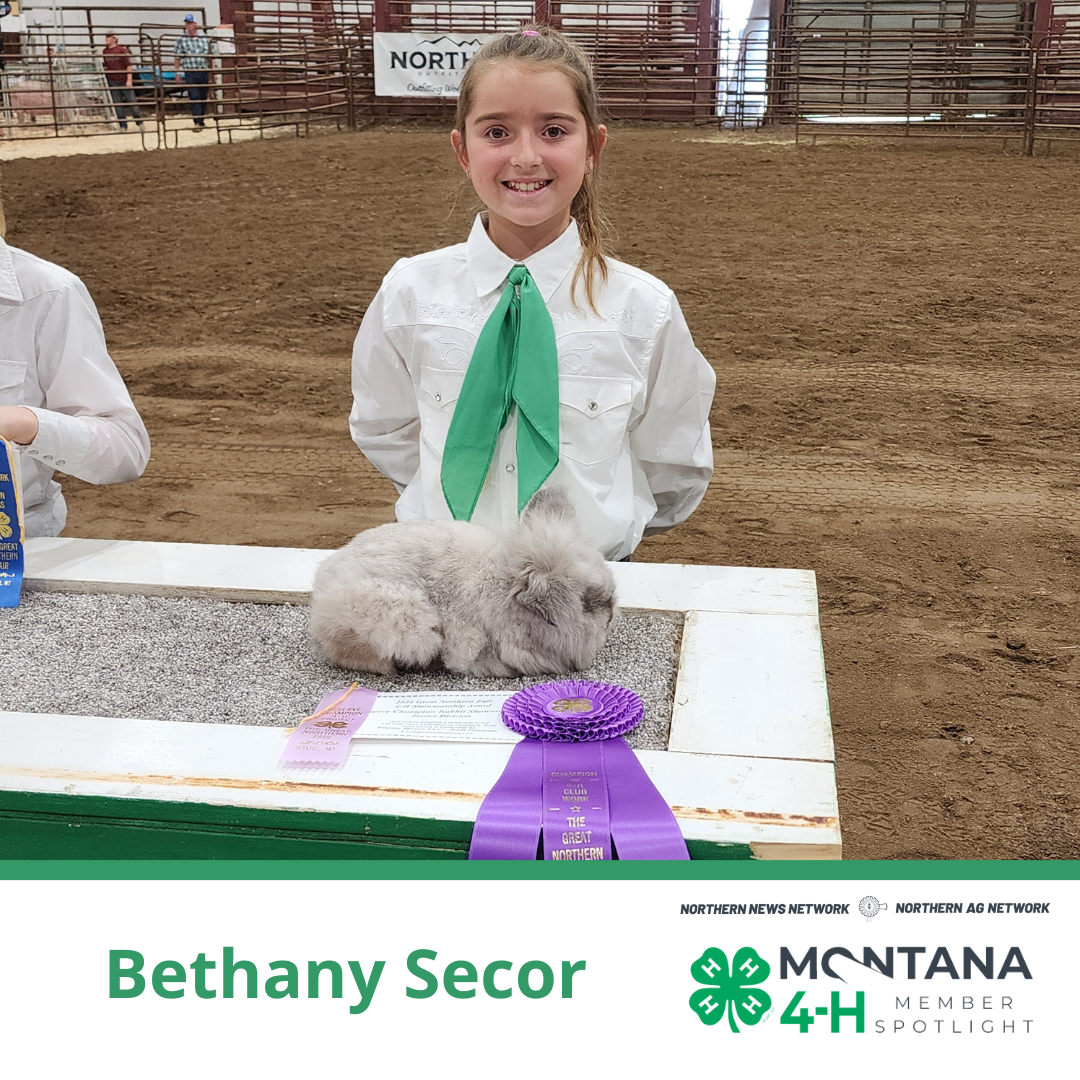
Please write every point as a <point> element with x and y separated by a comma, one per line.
<point>526,148</point>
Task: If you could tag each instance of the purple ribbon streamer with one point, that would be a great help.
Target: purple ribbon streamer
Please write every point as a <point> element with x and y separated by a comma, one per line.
<point>642,824</point>
<point>576,820</point>
<point>511,817</point>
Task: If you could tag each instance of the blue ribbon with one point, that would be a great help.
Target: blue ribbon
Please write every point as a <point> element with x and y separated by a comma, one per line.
<point>11,530</point>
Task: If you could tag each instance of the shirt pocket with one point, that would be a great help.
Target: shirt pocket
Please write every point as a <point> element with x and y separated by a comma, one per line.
<point>439,392</point>
<point>12,378</point>
<point>593,417</point>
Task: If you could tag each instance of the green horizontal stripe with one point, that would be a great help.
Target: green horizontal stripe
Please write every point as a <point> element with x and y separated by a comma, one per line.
<point>421,870</point>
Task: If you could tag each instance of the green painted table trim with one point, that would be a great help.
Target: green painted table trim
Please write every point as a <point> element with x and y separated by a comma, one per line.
<point>52,826</point>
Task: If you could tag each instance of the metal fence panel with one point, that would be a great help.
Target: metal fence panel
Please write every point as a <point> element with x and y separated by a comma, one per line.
<point>946,66</point>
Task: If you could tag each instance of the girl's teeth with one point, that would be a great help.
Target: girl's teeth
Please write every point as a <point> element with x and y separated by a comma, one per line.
<point>534,186</point>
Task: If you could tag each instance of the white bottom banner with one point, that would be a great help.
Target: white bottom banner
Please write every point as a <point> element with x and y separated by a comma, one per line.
<point>536,978</point>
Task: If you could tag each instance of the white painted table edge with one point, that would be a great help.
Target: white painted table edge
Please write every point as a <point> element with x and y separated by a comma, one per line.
<point>284,575</point>
<point>262,574</point>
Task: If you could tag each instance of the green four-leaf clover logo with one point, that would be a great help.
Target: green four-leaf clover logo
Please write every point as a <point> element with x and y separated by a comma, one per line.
<point>736,993</point>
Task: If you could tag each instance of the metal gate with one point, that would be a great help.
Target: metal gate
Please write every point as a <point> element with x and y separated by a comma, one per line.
<point>654,59</point>
<point>955,67</point>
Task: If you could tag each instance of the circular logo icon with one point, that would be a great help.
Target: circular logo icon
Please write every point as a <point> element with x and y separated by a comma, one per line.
<point>870,906</point>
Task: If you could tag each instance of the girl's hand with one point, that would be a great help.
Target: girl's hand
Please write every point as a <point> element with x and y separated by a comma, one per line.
<point>18,424</point>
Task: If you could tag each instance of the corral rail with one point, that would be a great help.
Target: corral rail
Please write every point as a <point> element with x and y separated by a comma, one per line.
<point>993,68</point>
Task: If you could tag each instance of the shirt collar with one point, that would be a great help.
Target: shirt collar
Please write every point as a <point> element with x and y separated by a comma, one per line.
<point>9,283</point>
<point>549,266</point>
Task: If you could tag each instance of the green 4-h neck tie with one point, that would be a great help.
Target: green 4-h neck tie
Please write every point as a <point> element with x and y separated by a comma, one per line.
<point>514,363</point>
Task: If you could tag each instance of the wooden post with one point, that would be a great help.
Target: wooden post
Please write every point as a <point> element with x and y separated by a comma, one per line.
<point>777,10</point>
<point>322,17</point>
<point>705,66</point>
<point>1040,22</point>
<point>230,10</point>
<point>386,21</point>
<point>1029,104</point>
<point>237,13</point>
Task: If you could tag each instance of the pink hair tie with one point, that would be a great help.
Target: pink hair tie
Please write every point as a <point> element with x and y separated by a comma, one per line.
<point>530,33</point>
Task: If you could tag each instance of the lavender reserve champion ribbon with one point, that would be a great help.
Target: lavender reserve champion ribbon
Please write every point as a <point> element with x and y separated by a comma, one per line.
<point>573,788</point>
<point>11,529</point>
<point>322,739</point>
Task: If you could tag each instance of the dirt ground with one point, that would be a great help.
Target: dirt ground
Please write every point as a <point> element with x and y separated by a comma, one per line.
<point>893,325</point>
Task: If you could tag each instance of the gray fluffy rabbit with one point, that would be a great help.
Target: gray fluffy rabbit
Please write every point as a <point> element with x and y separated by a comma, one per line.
<point>535,600</point>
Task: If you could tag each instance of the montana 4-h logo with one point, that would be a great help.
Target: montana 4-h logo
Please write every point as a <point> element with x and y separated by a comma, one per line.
<point>737,994</point>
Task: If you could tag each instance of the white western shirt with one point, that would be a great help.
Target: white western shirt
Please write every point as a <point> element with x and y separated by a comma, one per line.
<point>635,454</point>
<point>53,360</point>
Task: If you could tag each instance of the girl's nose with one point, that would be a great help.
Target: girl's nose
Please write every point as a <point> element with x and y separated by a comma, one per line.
<point>526,152</point>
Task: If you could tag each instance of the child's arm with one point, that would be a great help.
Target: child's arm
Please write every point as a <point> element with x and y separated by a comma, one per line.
<point>385,419</point>
<point>672,441</point>
<point>88,426</point>
<point>18,424</point>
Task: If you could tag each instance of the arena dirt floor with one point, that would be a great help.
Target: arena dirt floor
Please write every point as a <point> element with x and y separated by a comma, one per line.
<point>894,326</point>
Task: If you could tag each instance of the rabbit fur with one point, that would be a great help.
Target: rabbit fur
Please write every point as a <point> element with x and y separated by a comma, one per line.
<point>537,599</point>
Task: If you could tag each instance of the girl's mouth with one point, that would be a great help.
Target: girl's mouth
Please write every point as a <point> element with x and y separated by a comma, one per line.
<point>526,186</point>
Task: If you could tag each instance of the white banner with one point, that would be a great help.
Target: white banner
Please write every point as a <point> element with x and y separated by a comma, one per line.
<point>531,978</point>
<point>412,65</point>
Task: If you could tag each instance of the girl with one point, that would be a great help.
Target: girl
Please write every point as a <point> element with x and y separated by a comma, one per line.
<point>526,355</point>
<point>62,401</point>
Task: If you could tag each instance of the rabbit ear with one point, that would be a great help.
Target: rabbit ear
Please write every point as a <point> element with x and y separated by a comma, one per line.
<point>550,503</point>
<point>541,593</point>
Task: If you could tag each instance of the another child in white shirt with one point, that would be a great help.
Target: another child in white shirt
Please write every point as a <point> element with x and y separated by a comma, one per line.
<point>62,401</point>
<point>631,444</point>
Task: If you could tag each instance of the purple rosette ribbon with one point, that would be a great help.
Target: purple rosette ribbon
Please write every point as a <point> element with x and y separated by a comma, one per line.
<point>573,789</point>
<point>573,711</point>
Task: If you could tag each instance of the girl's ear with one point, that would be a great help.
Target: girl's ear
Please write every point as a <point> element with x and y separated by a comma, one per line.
<point>598,148</point>
<point>457,141</point>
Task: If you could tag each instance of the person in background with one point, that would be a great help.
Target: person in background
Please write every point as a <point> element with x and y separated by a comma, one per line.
<point>62,401</point>
<point>120,76</point>
<point>193,51</point>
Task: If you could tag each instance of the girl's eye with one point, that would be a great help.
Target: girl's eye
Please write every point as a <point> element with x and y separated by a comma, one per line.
<point>496,133</point>
<point>554,132</point>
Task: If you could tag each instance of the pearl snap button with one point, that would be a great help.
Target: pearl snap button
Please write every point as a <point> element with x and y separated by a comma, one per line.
<point>34,452</point>
<point>438,397</point>
<point>509,468</point>
<point>592,406</point>
<point>60,461</point>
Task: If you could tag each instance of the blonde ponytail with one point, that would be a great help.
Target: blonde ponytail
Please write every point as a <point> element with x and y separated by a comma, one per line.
<point>594,232</point>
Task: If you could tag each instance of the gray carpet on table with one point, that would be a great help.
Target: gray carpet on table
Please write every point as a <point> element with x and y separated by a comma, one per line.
<point>211,661</point>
